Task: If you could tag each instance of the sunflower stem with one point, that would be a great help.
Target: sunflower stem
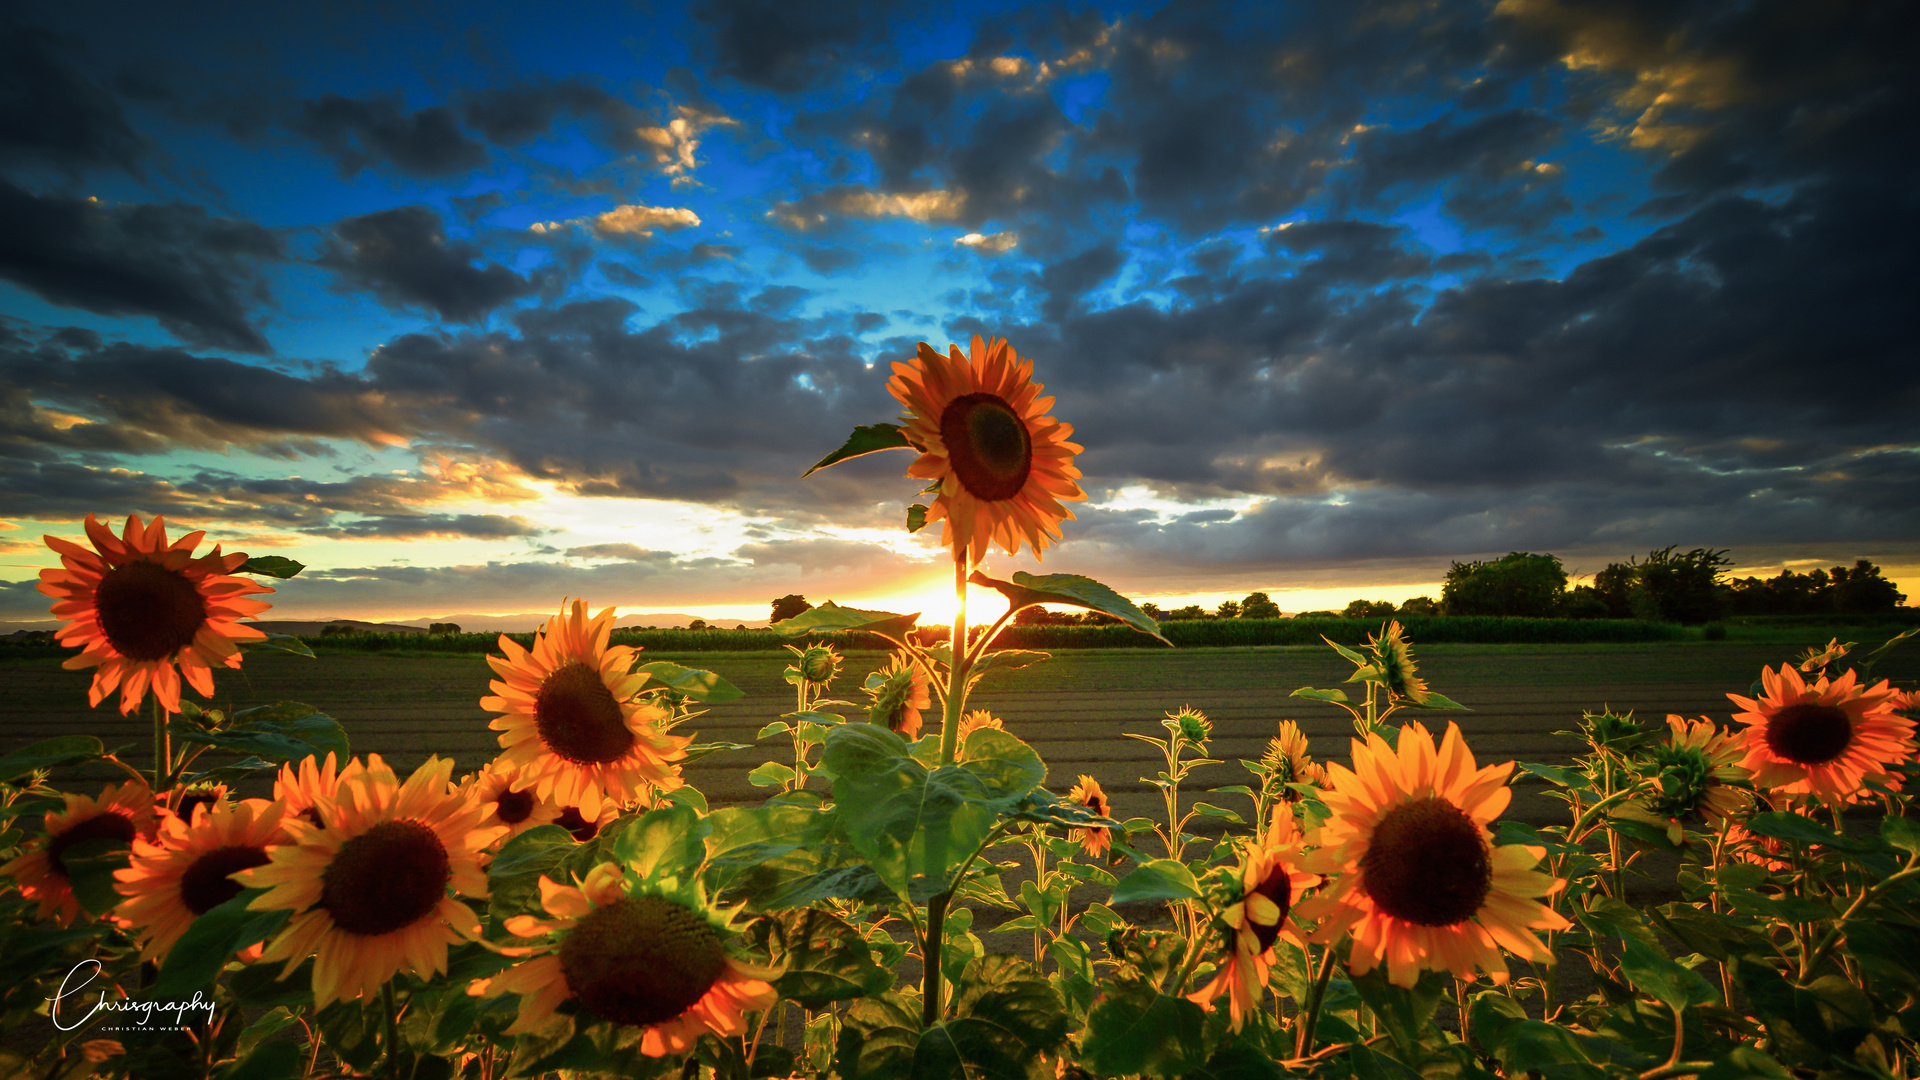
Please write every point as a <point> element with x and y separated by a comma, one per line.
<point>162,747</point>
<point>393,1030</point>
<point>1310,1014</point>
<point>957,671</point>
<point>931,953</point>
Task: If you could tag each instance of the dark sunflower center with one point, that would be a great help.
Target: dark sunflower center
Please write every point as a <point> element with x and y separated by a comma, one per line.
<point>1809,734</point>
<point>574,822</point>
<point>641,960</point>
<point>387,877</point>
<point>988,444</point>
<point>514,807</point>
<point>194,800</point>
<point>107,826</point>
<point>205,885</point>
<point>1097,803</point>
<point>1277,887</point>
<point>578,718</point>
<point>147,611</point>
<point>1427,863</point>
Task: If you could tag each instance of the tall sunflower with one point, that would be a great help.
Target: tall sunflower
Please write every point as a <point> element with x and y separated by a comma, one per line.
<point>983,432</point>
<point>370,891</point>
<point>122,812</point>
<point>1393,655</point>
<point>1271,884</point>
<point>572,721</point>
<point>137,606</point>
<point>1415,873</point>
<point>1822,739</point>
<point>900,691</point>
<point>1093,840</point>
<point>186,870</point>
<point>637,954</point>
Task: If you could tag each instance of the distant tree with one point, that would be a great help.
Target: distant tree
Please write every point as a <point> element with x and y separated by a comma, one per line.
<point>1369,609</point>
<point>742,626</point>
<point>698,624</point>
<point>1099,618</point>
<point>1153,611</point>
<point>1228,609</point>
<point>1317,615</point>
<point>1862,591</point>
<point>1614,587</point>
<point>1518,583</point>
<point>1187,614</point>
<point>1420,606</point>
<point>1584,602</point>
<point>444,628</point>
<point>1259,606</point>
<point>336,630</point>
<point>1041,616</point>
<point>788,606</point>
<point>1681,588</point>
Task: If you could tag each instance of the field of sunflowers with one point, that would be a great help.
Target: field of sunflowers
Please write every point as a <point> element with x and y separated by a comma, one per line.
<point>576,908</point>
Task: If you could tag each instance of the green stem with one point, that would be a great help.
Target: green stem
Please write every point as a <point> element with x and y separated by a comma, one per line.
<point>1194,956</point>
<point>931,953</point>
<point>162,747</point>
<point>957,671</point>
<point>1310,1015</point>
<point>1812,959</point>
<point>393,1031</point>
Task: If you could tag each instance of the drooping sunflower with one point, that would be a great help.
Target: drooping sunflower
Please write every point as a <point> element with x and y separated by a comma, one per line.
<point>1822,739</point>
<point>122,812</point>
<point>1092,840</point>
<point>186,870</point>
<point>1271,883</point>
<point>1817,657</point>
<point>1415,874</point>
<point>1393,655</point>
<point>137,606</point>
<point>900,690</point>
<point>370,891</point>
<point>510,800</point>
<point>1287,761</point>
<point>983,432</point>
<point>573,723</point>
<point>635,954</point>
<point>1698,770</point>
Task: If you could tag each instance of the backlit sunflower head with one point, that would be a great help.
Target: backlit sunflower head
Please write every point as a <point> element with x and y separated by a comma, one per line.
<point>510,800</point>
<point>1698,772</point>
<point>137,606</point>
<point>371,893</point>
<point>1415,873</point>
<point>983,432</point>
<point>1392,656</point>
<point>574,721</point>
<point>1286,761</point>
<point>186,870</point>
<point>900,690</point>
<point>1821,739</point>
<point>1272,881</point>
<point>1094,841</point>
<point>123,812</point>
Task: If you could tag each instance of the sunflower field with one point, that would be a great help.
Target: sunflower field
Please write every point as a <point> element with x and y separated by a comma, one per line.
<point>916,897</point>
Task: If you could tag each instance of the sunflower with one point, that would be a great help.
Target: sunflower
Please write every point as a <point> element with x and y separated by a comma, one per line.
<point>1393,655</point>
<point>184,872</point>
<point>815,664</point>
<point>572,722</point>
<point>1287,761</point>
<point>1420,882</point>
<point>1093,840</point>
<point>1822,739</point>
<point>509,800</point>
<point>123,812</point>
<point>1271,883</point>
<point>369,891</point>
<point>585,828</point>
<point>983,432</point>
<point>632,954</point>
<point>137,606</point>
<point>899,691</point>
<point>184,800</point>
<point>300,788</point>
<point>1697,770</point>
<point>1817,657</point>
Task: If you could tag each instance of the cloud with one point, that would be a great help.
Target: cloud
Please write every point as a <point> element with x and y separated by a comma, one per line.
<point>198,274</point>
<point>989,243</point>
<point>52,115</point>
<point>360,133</point>
<point>404,258</point>
<point>623,552</point>
<point>779,47</point>
<point>423,526</point>
<point>514,115</point>
<point>630,220</point>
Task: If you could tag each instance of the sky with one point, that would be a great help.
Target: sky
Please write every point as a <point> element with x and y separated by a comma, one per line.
<point>475,307</point>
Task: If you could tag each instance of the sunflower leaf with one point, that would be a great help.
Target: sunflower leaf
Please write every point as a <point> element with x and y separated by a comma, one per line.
<point>1158,879</point>
<point>866,439</point>
<point>830,617</point>
<point>1433,699</point>
<point>90,865</point>
<point>1311,694</point>
<point>50,754</point>
<point>825,959</point>
<point>1136,1030</point>
<point>914,826</point>
<point>916,518</point>
<point>273,566</point>
<point>1670,983</point>
<point>282,732</point>
<point>1026,590</point>
<point>1045,807</point>
<point>694,683</point>
<point>211,941</point>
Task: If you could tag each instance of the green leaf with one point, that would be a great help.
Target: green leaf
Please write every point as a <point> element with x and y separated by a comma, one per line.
<point>859,882</point>
<point>1311,694</point>
<point>1800,829</point>
<point>1746,1063</point>
<point>771,774</point>
<point>1521,1044</point>
<point>1008,768</point>
<point>699,750</point>
<point>538,850</point>
<point>273,566</point>
<point>667,844</point>
<point>1160,879</point>
<point>1667,982</point>
<point>1238,1059</point>
<point>916,518</point>
<point>54,753</point>
<point>1023,1014</point>
<point>282,732</point>
<point>90,865</point>
<point>1027,589</point>
<point>1351,656</point>
<point>826,959</point>
<point>352,1030</point>
<point>1135,1029</point>
<point>1433,699</point>
<point>915,827</point>
<point>1403,1011</point>
<point>878,1038</point>
<point>1901,832</point>
<point>269,1061</point>
<point>280,642</point>
<point>196,959</point>
<point>866,439</point>
<point>1221,812</point>
<point>830,617</point>
<point>693,683</point>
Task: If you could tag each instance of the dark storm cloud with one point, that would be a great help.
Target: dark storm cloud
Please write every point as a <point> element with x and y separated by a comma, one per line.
<point>784,47</point>
<point>404,258</point>
<point>1364,253</point>
<point>52,114</point>
<point>421,526</point>
<point>198,274</point>
<point>360,133</point>
<point>1066,281</point>
<point>1484,148</point>
<point>513,115</point>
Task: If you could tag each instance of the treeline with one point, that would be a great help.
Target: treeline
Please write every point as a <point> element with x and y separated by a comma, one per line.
<point>1689,587</point>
